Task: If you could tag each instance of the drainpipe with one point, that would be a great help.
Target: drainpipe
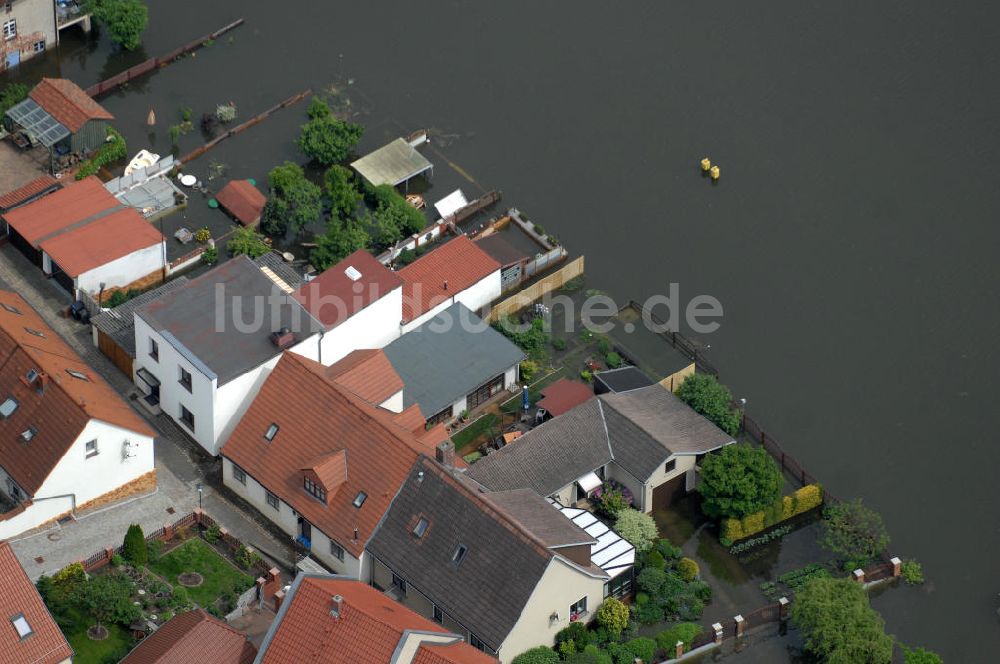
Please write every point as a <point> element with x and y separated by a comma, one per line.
<point>71,496</point>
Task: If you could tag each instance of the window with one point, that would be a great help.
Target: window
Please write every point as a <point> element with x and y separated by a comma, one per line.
<point>28,434</point>
<point>8,407</point>
<point>8,5</point>
<point>336,551</point>
<point>619,586</point>
<point>360,499</point>
<point>91,448</point>
<point>438,614</point>
<point>477,643</point>
<point>187,417</point>
<point>185,378</point>
<point>271,432</point>
<point>578,608</point>
<point>10,29</point>
<point>38,46</point>
<point>459,554</point>
<point>271,499</point>
<point>13,490</point>
<point>154,350</point>
<point>315,489</point>
<point>670,466</point>
<point>239,475</point>
<point>12,309</point>
<point>421,527</point>
<point>31,375</point>
<point>399,582</point>
<point>79,375</point>
<point>20,623</point>
<point>37,333</point>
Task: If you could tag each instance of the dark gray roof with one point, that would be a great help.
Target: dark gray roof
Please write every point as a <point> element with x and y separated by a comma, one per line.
<point>539,518</point>
<point>622,379</point>
<point>503,563</point>
<point>214,335</point>
<point>119,323</point>
<point>501,250</point>
<point>441,361</point>
<point>280,267</point>
<point>638,430</point>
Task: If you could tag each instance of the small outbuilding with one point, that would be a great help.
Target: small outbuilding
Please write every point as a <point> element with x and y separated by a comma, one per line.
<point>243,201</point>
<point>392,164</point>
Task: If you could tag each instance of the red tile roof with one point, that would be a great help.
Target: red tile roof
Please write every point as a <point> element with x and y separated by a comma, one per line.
<point>243,200</point>
<point>83,226</point>
<point>193,637</point>
<point>62,410</point>
<point>368,374</point>
<point>564,395</point>
<point>30,190</point>
<point>46,645</point>
<point>68,103</point>
<point>333,296</point>
<point>369,629</point>
<point>444,272</point>
<point>315,417</point>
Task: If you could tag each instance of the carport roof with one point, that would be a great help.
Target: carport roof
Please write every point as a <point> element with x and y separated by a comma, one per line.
<point>392,164</point>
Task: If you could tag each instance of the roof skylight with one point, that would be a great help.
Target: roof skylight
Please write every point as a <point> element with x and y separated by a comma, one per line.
<point>421,527</point>
<point>271,432</point>
<point>20,623</point>
<point>360,499</point>
<point>8,407</point>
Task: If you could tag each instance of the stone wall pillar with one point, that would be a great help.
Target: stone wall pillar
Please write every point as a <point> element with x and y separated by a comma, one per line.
<point>109,553</point>
<point>717,628</point>
<point>168,531</point>
<point>678,650</point>
<point>859,575</point>
<point>198,514</point>
<point>272,585</point>
<point>783,608</point>
<point>741,625</point>
<point>279,599</point>
<point>897,567</point>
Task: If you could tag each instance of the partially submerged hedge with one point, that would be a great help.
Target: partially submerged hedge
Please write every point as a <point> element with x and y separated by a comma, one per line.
<point>807,498</point>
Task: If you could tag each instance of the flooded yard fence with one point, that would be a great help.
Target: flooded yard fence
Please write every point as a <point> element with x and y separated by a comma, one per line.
<point>537,290</point>
<point>144,68</point>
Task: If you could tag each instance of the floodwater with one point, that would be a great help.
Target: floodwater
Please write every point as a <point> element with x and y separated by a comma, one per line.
<point>852,238</point>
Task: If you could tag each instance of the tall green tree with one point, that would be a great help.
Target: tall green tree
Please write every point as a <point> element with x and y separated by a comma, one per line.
<point>108,598</point>
<point>325,138</point>
<point>838,625</point>
<point>738,480</point>
<point>13,94</point>
<point>920,656</point>
<point>387,201</point>
<point>708,397</point>
<point>246,241</point>
<point>134,547</point>
<point>344,196</point>
<point>294,200</point>
<point>854,531</point>
<point>636,527</point>
<point>125,19</point>
<point>342,237</point>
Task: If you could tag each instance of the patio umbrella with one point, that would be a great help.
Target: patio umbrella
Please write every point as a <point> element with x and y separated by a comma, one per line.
<point>525,400</point>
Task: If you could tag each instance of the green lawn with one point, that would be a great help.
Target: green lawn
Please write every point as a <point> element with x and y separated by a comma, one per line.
<point>196,555</point>
<point>118,643</point>
<point>472,432</point>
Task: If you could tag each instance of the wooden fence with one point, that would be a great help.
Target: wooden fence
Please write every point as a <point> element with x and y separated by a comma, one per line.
<point>144,68</point>
<point>538,290</point>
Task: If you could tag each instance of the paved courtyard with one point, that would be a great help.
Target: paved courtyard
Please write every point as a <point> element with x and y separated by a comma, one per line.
<point>180,464</point>
<point>18,168</point>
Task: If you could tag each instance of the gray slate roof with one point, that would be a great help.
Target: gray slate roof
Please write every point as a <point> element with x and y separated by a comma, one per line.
<point>489,589</point>
<point>119,323</point>
<point>539,517</point>
<point>622,379</point>
<point>188,319</point>
<point>440,362</point>
<point>638,430</point>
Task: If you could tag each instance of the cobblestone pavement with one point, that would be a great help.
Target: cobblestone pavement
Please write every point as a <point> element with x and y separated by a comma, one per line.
<point>180,464</point>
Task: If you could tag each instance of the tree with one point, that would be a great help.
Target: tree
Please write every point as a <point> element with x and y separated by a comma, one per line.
<point>612,615</point>
<point>854,532</point>
<point>134,546</point>
<point>920,656</point>
<point>342,237</point>
<point>410,219</point>
<point>537,655</point>
<point>293,200</point>
<point>247,241</point>
<point>13,94</point>
<point>738,480</point>
<point>344,196</point>
<point>325,138</point>
<point>838,625</point>
<point>125,19</point>
<point>386,227</point>
<point>636,527</point>
<point>710,398</point>
<point>108,598</point>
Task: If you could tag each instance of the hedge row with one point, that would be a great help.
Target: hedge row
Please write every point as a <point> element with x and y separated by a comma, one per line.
<point>803,500</point>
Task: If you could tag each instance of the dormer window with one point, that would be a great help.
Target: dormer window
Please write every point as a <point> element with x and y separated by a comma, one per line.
<point>31,376</point>
<point>8,407</point>
<point>20,624</point>
<point>11,308</point>
<point>459,554</point>
<point>421,527</point>
<point>79,375</point>
<point>271,432</point>
<point>37,333</point>
<point>28,434</point>
<point>315,490</point>
<point>360,499</point>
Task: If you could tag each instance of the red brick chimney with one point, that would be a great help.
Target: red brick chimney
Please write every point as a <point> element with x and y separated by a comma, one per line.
<point>283,338</point>
<point>445,454</point>
<point>336,606</point>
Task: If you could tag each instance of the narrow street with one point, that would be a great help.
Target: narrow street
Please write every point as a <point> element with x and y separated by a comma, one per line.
<point>180,464</point>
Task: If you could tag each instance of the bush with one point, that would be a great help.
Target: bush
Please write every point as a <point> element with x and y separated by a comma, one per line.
<point>913,573</point>
<point>614,360</point>
<point>575,632</point>
<point>807,498</point>
<point>920,656</point>
<point>685,632</point>
<point>246,240</point>
<point>649,613</point>
<point>117,560</point>
<point>154,550</point>
<point>125,19</point>
<point>738,480</point>
<point>803,500</point>
<point>12,95</point>
<point>134,547</point>
<point>651,580</point>
<point>213,534</point>
<point>668,550</point>
<point>613,616</point>
<point>837,622</point>
<point>532,340</point>
<point>636,527</point>
<point>210,256</point>
<point>110,151</point>
<point>710,398</point>
<point>529,368</point>
<point>180,599</point>
<point>539,655</point>
<point>854,532</point>
<point>293,200</point>
<point>642,647</point>
<point>203,235</point>
<point>558,343</point>
<point>688,569</point>
<point>656,559</point>
<point>473,457</point>
<point>586,376</point>
<point>701,590</point>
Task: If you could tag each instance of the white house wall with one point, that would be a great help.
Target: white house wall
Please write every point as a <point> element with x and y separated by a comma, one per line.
<point>124,270</point>
<point>475,297</point>
<point>32,16</point>
<point>375,326</point>
<point>394,403</point>
<point>682,464</point>
<point>77,479</point>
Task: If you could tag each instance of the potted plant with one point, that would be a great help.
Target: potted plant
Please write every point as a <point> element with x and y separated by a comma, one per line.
<point>465,415</point>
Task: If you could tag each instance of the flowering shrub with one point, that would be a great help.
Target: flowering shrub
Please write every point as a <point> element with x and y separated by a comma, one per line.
<point>611,498</point>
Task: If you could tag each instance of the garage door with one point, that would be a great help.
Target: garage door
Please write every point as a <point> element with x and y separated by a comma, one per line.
<point>669,491</point>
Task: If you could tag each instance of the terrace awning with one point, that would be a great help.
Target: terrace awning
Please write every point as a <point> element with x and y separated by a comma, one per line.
<point>589,482</point>
<point>392,164</point>
<point>35,120</point>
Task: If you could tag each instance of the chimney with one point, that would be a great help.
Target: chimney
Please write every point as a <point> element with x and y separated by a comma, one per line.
<point>355,534</point>
<point>445,454</point>
<point>337,606</point>
<point>283,338</point>
<point>445,285</point>
<point>42,381</point>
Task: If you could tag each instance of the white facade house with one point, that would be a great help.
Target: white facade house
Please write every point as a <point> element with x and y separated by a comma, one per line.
<point>475,297</point>
<point>67,440</point>
<point>27,29</point>
<point>202,362</point>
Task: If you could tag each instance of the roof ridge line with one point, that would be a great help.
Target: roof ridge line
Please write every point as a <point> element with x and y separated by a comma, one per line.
<point>604,423</point>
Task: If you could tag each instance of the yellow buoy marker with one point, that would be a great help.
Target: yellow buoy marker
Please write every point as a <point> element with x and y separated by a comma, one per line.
<point>151,118</point>
<point>706,164</point>
<point>715,172</point>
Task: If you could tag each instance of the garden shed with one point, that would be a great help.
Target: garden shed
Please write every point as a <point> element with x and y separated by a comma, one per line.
<point>392,164</point>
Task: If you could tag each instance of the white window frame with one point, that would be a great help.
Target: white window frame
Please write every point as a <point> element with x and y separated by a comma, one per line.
<point>336,551</point>
<point>239,475</point>
<point>270,499</point>
<point>39,46</point>
<point>10,29</point>
<point>90,448</point>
